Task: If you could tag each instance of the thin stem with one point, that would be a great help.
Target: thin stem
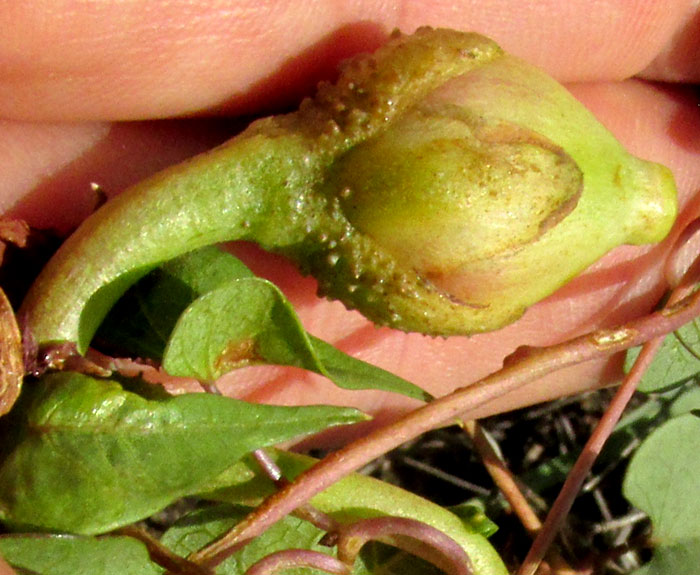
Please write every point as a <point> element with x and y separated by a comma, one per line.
<point>613,525</point>
<point>447,477</point>
<point>159,553</point>
<point>683,258</point>
<point>307,512</point>
<point>507,483</point>
<point>296,558</point>
<point>415,537</point>
<point>576,477</point>
<point>502,477</point>
<point>268,465</point>
<point>448,409</point>
<point>574,480</point>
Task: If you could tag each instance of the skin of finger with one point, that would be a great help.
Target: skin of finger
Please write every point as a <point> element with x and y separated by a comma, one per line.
<point>5,569</point>
<point>74,60</point>
<point>678,60</point>
<point>31,153</point>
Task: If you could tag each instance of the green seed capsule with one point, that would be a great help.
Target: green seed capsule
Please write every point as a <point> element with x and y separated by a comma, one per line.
<point>496,189</point>
<point>439,186</point>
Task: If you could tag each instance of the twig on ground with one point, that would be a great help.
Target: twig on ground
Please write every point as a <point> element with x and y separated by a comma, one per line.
<point>507,483</point>
<point>502,477</point>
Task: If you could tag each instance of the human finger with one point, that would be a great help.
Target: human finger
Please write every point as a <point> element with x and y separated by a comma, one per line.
<point>679,58</point>
<point>133,60</point>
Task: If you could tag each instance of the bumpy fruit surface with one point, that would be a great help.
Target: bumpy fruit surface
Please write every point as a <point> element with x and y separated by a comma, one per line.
<point>438,186</point>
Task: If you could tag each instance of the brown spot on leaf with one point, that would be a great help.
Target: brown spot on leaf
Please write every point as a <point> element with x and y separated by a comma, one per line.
<point>237,354</point>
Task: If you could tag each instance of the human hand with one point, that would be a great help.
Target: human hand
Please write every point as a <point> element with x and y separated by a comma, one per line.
<point>96,65</point>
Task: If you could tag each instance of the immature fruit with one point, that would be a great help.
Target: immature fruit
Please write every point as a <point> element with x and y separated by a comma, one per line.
<point>496,189</point>
<point>439,186</point>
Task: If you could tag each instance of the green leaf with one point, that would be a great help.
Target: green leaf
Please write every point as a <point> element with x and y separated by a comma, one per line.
<point>201,527</point>
<point>681,558</point>
<point>241,323</point>
<point>359,497</point>
<point>71,555</point>
<point>350,373</point>
<point>473,514</point>
<point>93,457</point>
<point>142,323</point>
<point>662,480</point>
<point>677,361</point>
<point>249,321</point>
<point>142,320</point>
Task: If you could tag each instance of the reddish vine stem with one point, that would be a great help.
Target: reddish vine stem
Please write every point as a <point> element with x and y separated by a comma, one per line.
<point>160,554</point>
<point>281,561</point>
<point>574,480</point>
<point>445,410</point>
<point>410,535</point>
<point>572,485</point>
<point>307,511</point>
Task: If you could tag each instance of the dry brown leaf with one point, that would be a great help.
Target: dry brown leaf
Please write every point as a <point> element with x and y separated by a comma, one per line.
<point>11,362</point>
<point>14,231</point>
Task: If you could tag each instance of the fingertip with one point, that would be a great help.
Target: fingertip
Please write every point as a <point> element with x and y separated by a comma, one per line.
<point>137,60</point>
<point>134,60</point>
<point>677,60</point>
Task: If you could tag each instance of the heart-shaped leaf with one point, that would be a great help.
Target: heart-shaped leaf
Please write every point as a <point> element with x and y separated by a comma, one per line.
<point>141,322</point>
<point>249,321</point>
<point>662,480</point>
